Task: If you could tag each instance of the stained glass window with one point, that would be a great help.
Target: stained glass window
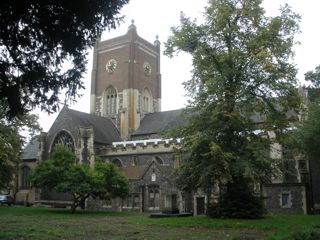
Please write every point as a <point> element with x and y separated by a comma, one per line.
<point>25,183</point>
<point>64,139</point>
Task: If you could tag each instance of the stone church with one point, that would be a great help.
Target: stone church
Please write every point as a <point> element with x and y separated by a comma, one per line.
<point>124,127</point>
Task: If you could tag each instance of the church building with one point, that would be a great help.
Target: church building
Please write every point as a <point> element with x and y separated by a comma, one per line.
<point>124,127</point>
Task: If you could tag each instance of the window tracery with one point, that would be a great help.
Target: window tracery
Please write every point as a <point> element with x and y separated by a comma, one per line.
<point>146,100</point>
<point>154,197</point>
<point>64,139</point>
<point>111,101</point>
<point>25,183</point>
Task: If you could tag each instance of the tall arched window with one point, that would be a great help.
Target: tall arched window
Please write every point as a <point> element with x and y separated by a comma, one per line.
<point>146,100</point>
<point>154,197</point>
<point>111,101</point>
<point>64,139</point>
<point>25,183</point>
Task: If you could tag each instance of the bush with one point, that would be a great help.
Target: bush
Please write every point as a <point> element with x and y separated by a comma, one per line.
<point>237,202</point>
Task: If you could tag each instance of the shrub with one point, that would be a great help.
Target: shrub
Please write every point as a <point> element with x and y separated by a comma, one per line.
<point>237,202</point>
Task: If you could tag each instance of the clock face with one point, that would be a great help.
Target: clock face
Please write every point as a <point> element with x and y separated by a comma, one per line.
<point>147,68</point>
<point>111,65</point>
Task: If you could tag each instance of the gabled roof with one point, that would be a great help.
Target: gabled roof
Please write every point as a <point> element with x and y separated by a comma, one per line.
<point>166,170</point>
<point>159,122</point>
<point>134,172</point>
<point>138,172</point>
<point>104,130</point>
<point>31,150</point>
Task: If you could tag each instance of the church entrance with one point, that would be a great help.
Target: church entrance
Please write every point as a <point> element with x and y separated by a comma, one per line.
<point>171,205</point>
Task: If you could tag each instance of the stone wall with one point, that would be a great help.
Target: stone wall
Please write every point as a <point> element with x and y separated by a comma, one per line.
<point>294,202</point>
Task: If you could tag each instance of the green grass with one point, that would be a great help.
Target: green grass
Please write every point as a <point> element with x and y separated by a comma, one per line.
<point>49,223</point>
<point>282,227</point>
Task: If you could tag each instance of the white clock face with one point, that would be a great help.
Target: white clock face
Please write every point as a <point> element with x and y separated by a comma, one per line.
<point>111,65</point>
<point>147,68</point>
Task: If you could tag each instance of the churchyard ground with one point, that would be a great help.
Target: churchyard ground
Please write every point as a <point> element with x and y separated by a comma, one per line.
<point>49,223</point>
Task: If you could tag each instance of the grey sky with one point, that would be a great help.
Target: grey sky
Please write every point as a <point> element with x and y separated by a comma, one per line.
<point>155,17</point>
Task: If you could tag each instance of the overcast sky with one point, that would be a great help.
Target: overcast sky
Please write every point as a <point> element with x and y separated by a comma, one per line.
<point>155,17</point>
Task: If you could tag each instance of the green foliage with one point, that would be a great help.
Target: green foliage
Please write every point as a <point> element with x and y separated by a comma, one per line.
<point>37,38</point>
<point>309,130</point>
<point>238,202</point>
<point>112,182</point>
<point>313,88</point>
<point>11,143</point>
<point>63,174</point>
<point>243,80</point>
<point>313,77</point>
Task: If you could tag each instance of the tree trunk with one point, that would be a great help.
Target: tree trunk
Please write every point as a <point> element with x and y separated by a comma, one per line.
<point>75,203</point>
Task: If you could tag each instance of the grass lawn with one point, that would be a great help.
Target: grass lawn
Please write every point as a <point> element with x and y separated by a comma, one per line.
<point>48,223</point>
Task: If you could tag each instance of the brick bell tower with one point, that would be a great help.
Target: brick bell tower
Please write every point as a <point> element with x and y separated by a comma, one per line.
<point>126,80</point>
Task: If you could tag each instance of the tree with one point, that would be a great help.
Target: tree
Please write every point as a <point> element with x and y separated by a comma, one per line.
<point>37,38</point>
<point>313,77</point>
<point>308,131</point>
<point>62,174</point>
<point>112,183</point>
<point>242,87</point>
<point>11,144</point>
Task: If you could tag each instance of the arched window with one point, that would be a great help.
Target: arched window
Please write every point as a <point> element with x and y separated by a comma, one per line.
<point>159,160</point>
<point>116,162</point>
<point>25,183</point>
<point>111,101</point>
<point>64,139</point>
<point>154,197</point>
<point>146,100</point>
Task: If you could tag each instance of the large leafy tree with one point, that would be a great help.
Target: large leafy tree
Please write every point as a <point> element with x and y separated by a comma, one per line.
<point>63,174</point>
<point>37,38</point>
<point>243,80</point>
<point>11,144</point>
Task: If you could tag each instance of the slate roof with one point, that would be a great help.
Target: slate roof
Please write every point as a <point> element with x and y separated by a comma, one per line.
<point>134,172</point>
<point>159,122</point>
<point>103,128</point>
<point>167,170</point>
<point>137,172</point>
<point>31,150</point>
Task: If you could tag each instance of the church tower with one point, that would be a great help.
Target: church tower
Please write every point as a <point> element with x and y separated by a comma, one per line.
<point>126,80</point>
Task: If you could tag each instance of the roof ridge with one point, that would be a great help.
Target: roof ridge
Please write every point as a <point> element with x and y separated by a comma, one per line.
<point>174,110</point>
<point>90,114</point>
